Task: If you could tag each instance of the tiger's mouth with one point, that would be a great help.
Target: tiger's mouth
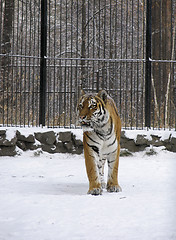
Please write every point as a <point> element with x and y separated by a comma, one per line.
<point>83,123</point>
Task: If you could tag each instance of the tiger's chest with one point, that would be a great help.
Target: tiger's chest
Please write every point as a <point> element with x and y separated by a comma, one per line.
<point>101,145</point>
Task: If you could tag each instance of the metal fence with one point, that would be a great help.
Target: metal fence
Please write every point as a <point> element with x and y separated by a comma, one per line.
<point>51,49</point>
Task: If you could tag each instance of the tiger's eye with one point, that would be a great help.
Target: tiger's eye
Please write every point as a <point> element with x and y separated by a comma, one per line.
<point>94,106</point>
<point>80,106</point>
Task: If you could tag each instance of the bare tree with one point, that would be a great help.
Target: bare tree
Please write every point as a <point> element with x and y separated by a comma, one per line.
<point>6,36</point>
<point>163,34</point>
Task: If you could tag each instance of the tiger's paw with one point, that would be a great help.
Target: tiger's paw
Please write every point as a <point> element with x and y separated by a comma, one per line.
<point>95,191</point>
<point>114,188</point>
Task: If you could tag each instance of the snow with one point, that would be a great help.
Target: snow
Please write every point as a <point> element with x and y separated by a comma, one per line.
<point>10,134</point>
<point>11,131</point>
<point>43,197</point>
<point>164,134</point>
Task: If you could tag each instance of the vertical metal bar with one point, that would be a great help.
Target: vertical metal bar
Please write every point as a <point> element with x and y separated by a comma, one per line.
<point>104,47</point>
<point>121,54</point>
<point>116,64</point>
<point>42,106</point>
<point>138,30</point>
<point>77,93</point>
<point>132,42</point>
<point>65,66</point>
<point>71,75</point>
<point>116,30</point>
<point>60,83</point>
<point>21,63</point>
<point>143,64</point>
<point>99,44</point>
<point>1,84</point>
<point>148,65</point>
<point>54,80</point>
<point>83,45</point>
<point>105,29</point>
<point>49,91</point>
<point>33,96</point>
<point>17,62</point>
<point>174,96</point>
<point>126,65</point>
<point>25,63</point>
<point>93,48</point>
<point>97,79</point>
<point>29,69</point>
<point>88,41</point>
<point>110,46</point>
<point>171,67</point>
<point>160,68</point>
<point>110,30</point>
<point>13,63</point>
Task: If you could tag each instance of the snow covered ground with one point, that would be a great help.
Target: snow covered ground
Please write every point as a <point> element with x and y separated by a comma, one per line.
<point>43,197</point>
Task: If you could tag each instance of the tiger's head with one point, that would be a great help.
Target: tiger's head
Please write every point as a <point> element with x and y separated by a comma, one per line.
<point>91,108</point>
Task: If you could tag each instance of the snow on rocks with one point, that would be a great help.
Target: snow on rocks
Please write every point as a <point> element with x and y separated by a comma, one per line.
<point>51,141</point>
<point>60,140</point>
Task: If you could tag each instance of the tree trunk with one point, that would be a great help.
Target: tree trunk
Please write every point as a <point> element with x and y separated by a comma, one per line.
<point>6,38</point>
<point>6,35</point>
<point>161,50</point>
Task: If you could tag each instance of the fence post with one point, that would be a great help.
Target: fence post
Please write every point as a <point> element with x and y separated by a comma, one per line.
<point>83,45</point>
<point>43,50</point>
<point>148,64</point>
<point>174,94</point>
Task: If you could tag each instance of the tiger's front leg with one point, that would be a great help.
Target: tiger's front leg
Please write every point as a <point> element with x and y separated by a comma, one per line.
<point>91,161</point>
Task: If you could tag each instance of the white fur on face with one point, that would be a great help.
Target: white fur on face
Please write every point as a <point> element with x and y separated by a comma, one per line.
<point>92,102</point>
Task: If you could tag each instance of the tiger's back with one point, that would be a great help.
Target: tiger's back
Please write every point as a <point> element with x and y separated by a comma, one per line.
<point>101,140</point>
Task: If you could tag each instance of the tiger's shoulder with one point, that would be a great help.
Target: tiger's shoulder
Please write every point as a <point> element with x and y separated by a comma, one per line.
<point>113,112</point>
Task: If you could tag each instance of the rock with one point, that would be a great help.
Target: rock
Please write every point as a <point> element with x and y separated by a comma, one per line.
<point>49,148</point>
<point>123,134</point>
<point>8,151</point>
<point>171,146</point>
<point>156,142</point>
<point>23,138</point>
<point>66,142</point>
<point>68,146</point>
<point>78,150</point>
<point>6,142</point>
<point>151,152</point>
<point>142,140</point>
<point>168,146</point>
<point>125,153</point>
<point>32,146</point>
<point>155,138</point>
<point>46,137</point>
<point>129,144</point>
<point>77,142</point>
<point>21,145</point>
<point>65,136</point>
<point>60,147</point>
<point>2,132</point>
<point>173,141</point>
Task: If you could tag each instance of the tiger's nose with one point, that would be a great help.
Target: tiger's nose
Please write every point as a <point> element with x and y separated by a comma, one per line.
<point>82,117</point>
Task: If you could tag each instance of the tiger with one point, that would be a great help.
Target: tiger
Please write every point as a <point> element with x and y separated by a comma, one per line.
<point>101,124</point>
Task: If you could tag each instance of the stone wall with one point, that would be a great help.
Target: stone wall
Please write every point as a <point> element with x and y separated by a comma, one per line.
<point>140,142</point>
<point>52,141</point>
<point>49,141</point>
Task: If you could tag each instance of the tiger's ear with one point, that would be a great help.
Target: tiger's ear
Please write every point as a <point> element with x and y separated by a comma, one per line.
<point>103,95</point>
<point>82,92</point>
